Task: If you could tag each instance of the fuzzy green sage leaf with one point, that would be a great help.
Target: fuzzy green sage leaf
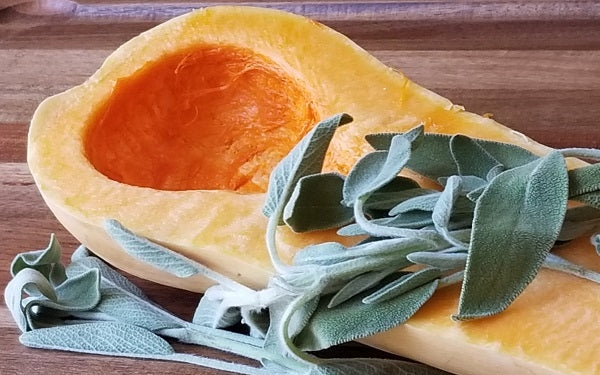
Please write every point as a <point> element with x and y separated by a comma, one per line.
<point>79,293</point>
<point>403,285</point>
<point>304,159</point>
<point>13,294</point>
<point>377,169</point>
<point>163,258</point>
<point>316,204</point>
<point>470,157</point>
<point>584,185</point>
<point>507,227</point>
<point>99,338</point>
<point>354,319</point>
<point>122,300</point>
<point>46,261</point>
<point>433,158</point>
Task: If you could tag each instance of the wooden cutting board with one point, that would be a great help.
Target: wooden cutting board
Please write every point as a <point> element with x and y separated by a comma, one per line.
<point>533,65</point>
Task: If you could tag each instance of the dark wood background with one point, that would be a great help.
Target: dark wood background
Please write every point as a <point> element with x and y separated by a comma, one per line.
<point>535,65</point>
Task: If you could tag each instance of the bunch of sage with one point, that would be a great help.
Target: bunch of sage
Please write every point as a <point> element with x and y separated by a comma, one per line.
<point>481,228</point>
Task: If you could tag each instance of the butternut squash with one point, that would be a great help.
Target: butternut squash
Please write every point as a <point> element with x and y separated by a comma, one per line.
<point>175,136</point>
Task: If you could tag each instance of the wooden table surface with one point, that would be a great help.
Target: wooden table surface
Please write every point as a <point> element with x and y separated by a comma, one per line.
<point>534,64</point>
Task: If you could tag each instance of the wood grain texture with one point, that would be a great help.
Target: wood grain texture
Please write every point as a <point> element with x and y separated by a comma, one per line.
<point>534,64</point>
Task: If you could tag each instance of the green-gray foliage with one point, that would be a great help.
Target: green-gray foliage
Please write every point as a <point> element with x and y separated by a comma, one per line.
<point>354,319</point>
<point>507,227</point>
<point>46,261</point>
<point>305,158</point>
<point>316,204</point>
<point>491,227</point>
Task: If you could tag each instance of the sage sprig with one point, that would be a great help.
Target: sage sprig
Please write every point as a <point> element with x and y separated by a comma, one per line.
<point>306,158</point>
<point>124,340</point>
<point>483,229</point>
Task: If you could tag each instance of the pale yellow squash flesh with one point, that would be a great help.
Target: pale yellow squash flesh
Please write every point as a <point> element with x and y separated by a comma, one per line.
<point>553,327</point>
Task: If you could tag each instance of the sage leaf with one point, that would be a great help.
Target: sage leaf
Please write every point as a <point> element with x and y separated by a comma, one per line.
<point>304,159</point>
<point>433,158</point>
<point>333,253</point>
<point>470,157</point>
<point>298,280</point>
<point>150,252</point>
<point>412,219</point>
<point>581,152</point>
<point>135,311</point>
<point>119,339</point>
<point>109,277</point>
<point>322,254</point>
<point>27,278</point>
<point>459,222</point>
<point>507,227</point>
<point>402,285</point>
<point>212,363</point>
<point>122,300</point>
<point>474,195</point>
<point>398,183</point>
<point>409,220</point>
<point>80,253</point>
<point>358,285</point>
<point>363,175</point>
<point>79,293</point>
<point>277,339</point>
<point>584,185</point>
<point>429,201</point>
<point>375,230</point>
<point>257,320</point>
<point>579,221</point>
<point>591,199</point>
<point>441,260</point>
<point>315,204</point>
<point>420,203</point>
<point>442,211</point>
<point>300,317</point>
<point>386,199</point>
<point>209,313</point>
<point>108,338</point>
<point>554,262</point>
<point>370,366</point>
<point>492,173</point>
<point>354,319</point>
<point>46,261</point>
<point>508,155</point>
<point>344,271</point>
<point>584,180</point>
<point>377,169</point>
<point>274,368</point>
<point>163,258</point>
<point>356,230</point>
<point>468,183</point>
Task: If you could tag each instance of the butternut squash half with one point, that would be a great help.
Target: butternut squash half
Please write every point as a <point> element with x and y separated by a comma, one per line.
<point>175,136</point>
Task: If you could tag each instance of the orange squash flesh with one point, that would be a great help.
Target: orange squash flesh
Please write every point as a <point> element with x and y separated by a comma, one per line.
<point>213,117</point>
<point>551,329</point>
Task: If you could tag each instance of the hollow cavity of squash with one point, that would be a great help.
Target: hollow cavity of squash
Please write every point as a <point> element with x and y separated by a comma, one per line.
<point>211,117</point>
